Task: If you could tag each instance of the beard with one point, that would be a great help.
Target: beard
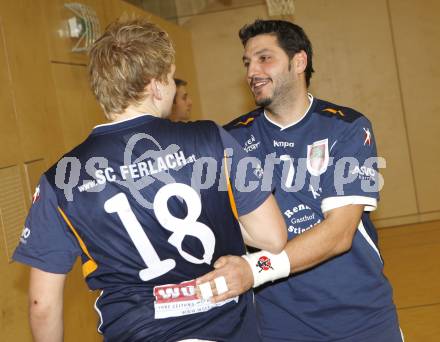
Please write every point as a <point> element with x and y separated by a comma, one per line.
<point>264,102</point>
<point>281,92</point>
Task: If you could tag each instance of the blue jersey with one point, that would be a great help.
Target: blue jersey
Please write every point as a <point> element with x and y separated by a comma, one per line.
<point>324,161</point>
<point>149,205</point>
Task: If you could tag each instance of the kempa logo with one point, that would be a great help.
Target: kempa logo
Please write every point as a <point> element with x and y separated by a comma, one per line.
<point>283,144</point>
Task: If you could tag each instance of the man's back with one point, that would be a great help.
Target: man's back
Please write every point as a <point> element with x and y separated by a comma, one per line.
<point>145,222</point>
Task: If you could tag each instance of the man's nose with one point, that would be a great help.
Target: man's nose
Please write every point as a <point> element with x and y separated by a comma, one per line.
<point>253,70</point>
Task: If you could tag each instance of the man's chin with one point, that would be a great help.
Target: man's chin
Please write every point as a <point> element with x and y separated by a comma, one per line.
<point>263,102</point>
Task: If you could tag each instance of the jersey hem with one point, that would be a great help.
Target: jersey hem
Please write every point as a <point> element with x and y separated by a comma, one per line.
<point>330,203</point>
<point>257,204</point>
<point>38,264</point>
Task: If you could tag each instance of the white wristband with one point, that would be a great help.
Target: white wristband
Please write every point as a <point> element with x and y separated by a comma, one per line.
<point>267,266</point>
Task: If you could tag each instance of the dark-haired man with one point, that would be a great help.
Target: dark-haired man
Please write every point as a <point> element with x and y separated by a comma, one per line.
<point>182,102</point>
<point>325,178</point>
<point>131,202</point>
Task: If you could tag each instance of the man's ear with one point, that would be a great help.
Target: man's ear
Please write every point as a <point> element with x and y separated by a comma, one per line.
<point>299,61</point>
<point>155,89</point>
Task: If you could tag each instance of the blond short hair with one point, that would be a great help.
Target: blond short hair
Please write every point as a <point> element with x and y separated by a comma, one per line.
<point>124,60</point>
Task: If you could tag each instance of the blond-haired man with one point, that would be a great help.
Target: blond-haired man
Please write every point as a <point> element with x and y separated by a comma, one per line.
<point>139,201</point>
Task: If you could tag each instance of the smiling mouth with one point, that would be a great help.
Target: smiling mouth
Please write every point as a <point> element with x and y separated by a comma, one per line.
<point>258,83</point>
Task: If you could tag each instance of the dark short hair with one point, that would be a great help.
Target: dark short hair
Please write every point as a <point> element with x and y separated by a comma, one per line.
<point>291,38</point>
<point>180,82</point>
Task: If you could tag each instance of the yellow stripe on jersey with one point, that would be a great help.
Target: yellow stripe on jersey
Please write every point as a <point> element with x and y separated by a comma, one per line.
<point>333,111</point>
<point>230,193</point>
<point>244,123</point>
<point>90,265</point>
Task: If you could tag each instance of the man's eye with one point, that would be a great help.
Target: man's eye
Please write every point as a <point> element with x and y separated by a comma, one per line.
<point>246,64</point>
<point>264,58</point>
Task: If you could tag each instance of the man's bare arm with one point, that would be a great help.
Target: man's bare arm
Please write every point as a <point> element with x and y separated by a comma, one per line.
<point>46,305</point>
<point>264,228</point>
<point>332,237</point>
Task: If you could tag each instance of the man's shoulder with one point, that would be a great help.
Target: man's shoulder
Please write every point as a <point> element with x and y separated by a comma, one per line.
<point>70,161</point>
<point>190,128</point>
<point>244,121</point>
<point>191,123</point>
<point>341,114</point>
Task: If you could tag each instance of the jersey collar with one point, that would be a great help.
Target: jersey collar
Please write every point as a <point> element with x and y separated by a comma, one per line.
<point>122,124</point>
<point>311,99</point>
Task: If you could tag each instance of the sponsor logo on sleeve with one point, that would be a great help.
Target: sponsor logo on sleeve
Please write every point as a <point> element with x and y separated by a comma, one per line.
<point>364,173</point>
<point>25,233</point>
<point>36,194</point>
<point>317,157</point>
<point>367,137</point>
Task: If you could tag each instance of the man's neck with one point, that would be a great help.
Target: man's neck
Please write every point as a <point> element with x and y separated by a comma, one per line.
<point>135,111</point>
<point>290,111</point>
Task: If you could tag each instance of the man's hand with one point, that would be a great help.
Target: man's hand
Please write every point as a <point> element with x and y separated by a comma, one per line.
<point>237,273</point>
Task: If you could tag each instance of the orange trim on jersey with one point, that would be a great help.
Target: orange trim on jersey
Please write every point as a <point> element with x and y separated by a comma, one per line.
<point>244,123</point>
<point>333,111</point>
<point>230,193</point>
<point>90,265</point>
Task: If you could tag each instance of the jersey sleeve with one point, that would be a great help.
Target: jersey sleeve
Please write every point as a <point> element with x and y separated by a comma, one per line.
<point>45,242</point>
<point>352,177</point>
<point>245,176</point>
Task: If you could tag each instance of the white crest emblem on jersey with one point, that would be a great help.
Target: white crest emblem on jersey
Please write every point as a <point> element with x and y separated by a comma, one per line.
<point>317,157</point>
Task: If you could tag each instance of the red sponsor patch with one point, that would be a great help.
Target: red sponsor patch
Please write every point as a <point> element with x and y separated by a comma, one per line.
<point>184,291</point>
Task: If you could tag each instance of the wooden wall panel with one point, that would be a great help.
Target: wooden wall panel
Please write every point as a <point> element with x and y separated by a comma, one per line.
<point>30,79</point>
<point>9,140</point>
<point>13,285</point>
<point>355,67</point>
<point>60,44</point>
<point>417,33</point>
<point>79,112</point>
<point>218,53</point>
<point>13,302</point>
<point>33,170</point>
<point>12,206</point>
